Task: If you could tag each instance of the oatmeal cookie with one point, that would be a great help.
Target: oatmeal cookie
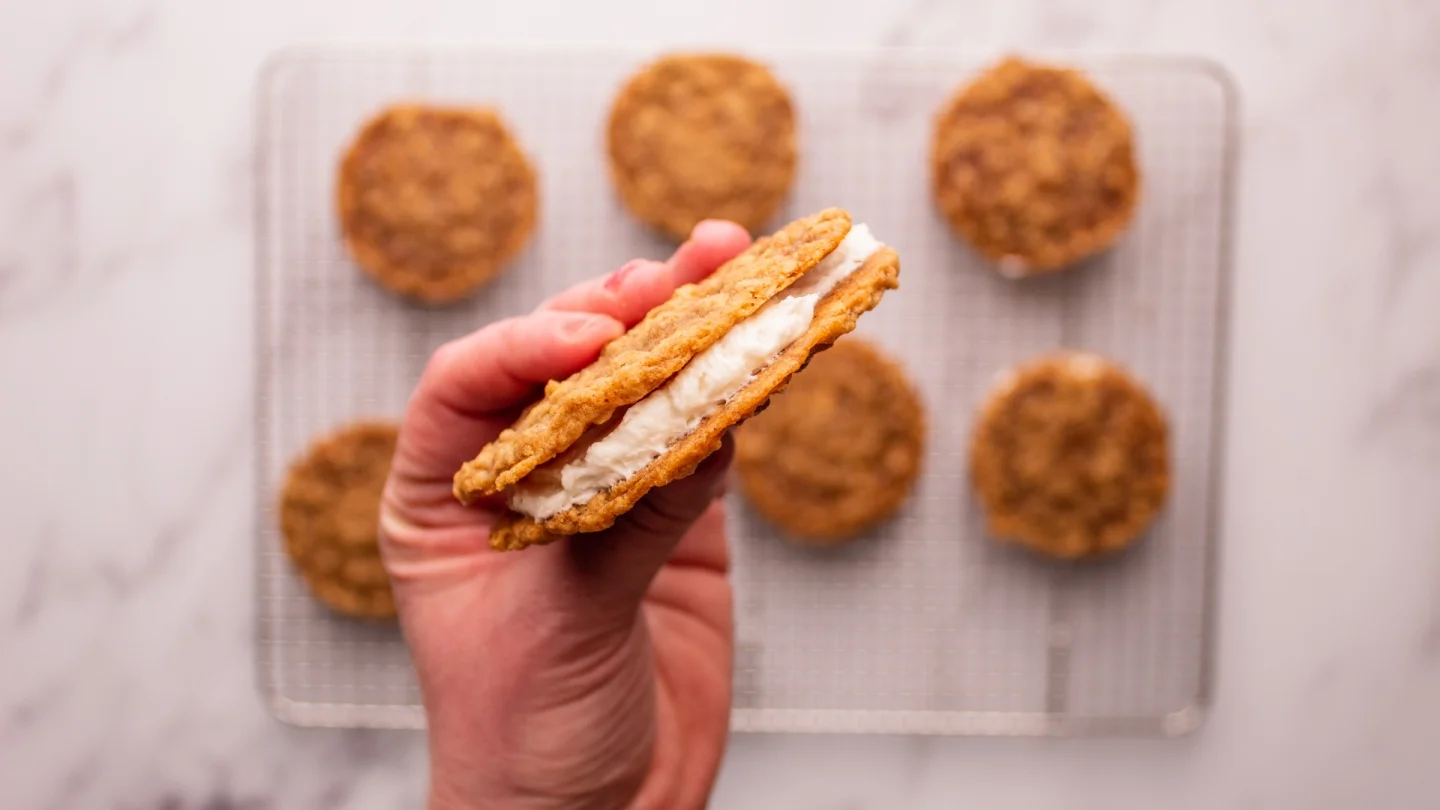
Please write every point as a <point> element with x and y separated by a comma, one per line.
<point>643,358</point>
<point>434,201</point>
<point>700,136</point>
<point>329,514</point>
<point>1070,456</point>
<point>1034,167</point>
<point>839,450</point>
<point>835,315</point>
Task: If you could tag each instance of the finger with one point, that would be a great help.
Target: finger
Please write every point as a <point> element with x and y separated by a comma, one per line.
<point>641,285</point>
<point>705,549</point>
<point>625,295</point>
<point>623,559</point>
<point>499,367</point>
<point>712,243</point>
<point>472,385</point>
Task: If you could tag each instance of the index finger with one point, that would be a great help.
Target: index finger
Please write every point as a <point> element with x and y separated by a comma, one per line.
<point>471,385</point>
<point>641,285</point>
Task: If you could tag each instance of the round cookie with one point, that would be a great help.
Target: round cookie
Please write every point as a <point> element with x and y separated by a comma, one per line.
<point>652,351</point>
<point>329,515</point>
<point>1070,456</point>
<point>839,450</point>
<point>702,136</point>
<point>835,315</point>
<point>434,201</point>
<point>1034,167</point>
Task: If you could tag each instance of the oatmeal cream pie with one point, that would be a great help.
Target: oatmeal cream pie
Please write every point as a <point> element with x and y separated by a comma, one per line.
<point>434,201</point>
<point>1070,456</point>
<point>1034,167</point>
<point>329,514</point>
<point>702,136</point>
<point>839,450</point>
<point>659,398</point>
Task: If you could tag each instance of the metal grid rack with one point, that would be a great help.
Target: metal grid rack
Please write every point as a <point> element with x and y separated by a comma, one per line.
<point>927,627</point>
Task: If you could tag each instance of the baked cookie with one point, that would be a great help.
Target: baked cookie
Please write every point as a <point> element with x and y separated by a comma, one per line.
<point>433,201</point>
<point>652,352</point>
<point>1070,456</point>
<point>839,450</point>
<point>1034,167</point>
<point>329,513</point>
<point>694,367</point>
<point>700,136</point>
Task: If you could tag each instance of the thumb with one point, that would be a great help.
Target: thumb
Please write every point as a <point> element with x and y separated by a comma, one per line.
<point>624,558</point>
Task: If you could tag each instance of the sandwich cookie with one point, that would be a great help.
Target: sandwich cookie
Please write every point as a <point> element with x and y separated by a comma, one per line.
<point>659,398</point>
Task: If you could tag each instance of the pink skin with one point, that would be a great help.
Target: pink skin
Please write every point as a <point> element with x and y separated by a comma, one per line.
<point>590,673</point>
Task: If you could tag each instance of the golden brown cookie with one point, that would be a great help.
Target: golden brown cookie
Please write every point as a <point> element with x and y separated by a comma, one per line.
<point>433,201</point>
<point>1034,167</point>
<point>835,315</point>
<point>839,450</point>
<point>643,358</point>
<point>700,136</point>
<point>1070,456</point>
<point>329,514</point>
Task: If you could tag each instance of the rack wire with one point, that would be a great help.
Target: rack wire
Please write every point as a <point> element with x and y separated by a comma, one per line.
<point>926,627</point>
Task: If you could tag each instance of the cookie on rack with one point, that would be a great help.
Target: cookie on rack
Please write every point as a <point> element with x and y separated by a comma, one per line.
<point>696,136</point>
<point>1034,167</point>
<point>839,450</point>
<point>435,201</point>
<point>1070,456</point>
<point>329,514</point>
<point>660,397</point>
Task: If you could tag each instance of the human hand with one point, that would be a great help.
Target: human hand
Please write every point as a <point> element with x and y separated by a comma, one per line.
<point>590,673</point>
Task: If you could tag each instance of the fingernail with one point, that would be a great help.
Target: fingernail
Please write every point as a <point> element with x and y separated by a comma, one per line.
<point>617,278</point>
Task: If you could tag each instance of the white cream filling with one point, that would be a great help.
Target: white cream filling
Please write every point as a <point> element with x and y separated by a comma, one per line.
<point>710,379</point>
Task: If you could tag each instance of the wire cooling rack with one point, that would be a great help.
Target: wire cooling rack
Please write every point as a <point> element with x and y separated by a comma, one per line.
<point>925,627</point>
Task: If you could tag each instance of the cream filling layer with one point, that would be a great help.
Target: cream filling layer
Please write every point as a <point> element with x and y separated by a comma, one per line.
<point>709,380</point>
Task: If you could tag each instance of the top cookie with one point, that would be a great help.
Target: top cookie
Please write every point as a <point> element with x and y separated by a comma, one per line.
<point>1070,456</point>
<point>329,514</point>
<point>652,351</point>
<point>838,450</point>
<point>701,136</point>
<point>434,201</point>
<point>1034,167</point>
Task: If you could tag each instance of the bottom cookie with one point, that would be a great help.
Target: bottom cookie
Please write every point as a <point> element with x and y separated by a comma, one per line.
<point>329,515</point>
<point>1070,457</point>
<point>838,451</point>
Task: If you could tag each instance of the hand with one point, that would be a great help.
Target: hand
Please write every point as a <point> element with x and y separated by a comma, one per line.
<point>590,673</point>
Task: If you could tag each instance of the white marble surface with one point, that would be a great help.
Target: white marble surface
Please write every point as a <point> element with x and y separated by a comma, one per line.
<point>125,271</point>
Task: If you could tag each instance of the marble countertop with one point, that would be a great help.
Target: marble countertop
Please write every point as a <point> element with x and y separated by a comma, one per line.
<point>125,279</point>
